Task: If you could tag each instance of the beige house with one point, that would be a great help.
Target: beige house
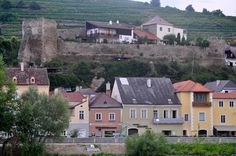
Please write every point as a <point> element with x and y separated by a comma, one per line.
<point>29,77</point>
<point>161,27</point>
<point>148,103</point>
<point>79,114</point>
<point>197,108</point>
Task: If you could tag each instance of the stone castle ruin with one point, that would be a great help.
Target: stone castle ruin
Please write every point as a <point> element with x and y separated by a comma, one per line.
<point>39,41</point>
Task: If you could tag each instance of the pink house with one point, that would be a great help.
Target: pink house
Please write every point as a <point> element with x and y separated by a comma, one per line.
<point>104,116</point>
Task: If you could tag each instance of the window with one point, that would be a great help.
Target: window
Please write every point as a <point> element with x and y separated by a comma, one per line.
<point>231,104</point>
<point>155,114</point>
<point>221,103</point>
<point>32,80</point>
<point>112,117</point>
<point>160,28</point>
<point>200,97</point>
<point>144,114</point>
<point>81,115</point>
<point>222,119</point>
<point>14,79</point>
<point>186,118</point>
<point>165,113</point>
<point>98,116</point>
<point>132,113</point>
<point>201,116</point>
<point>174,114</point>
<point>168,29</point>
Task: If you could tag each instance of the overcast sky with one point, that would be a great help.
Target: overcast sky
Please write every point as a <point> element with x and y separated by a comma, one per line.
<point>227,6</point>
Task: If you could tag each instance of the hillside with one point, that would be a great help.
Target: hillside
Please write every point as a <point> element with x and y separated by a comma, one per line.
<point>73,13</point>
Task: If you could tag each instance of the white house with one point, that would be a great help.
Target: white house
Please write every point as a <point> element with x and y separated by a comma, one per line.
<point>109,31</point>
<point>161,27</point>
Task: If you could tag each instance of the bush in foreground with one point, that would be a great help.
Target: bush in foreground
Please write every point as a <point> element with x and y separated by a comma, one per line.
<point>148,143</point>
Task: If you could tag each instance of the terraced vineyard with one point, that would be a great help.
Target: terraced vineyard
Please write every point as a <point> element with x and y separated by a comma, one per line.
<point>73,13</point>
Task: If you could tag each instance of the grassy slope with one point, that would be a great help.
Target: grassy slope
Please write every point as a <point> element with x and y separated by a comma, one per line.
<point>73,13</point>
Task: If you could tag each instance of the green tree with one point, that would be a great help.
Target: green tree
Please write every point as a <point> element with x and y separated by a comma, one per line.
<point>189,8</point>
<point>148,143</point>
<point>40,116</point>
<point>156,3</point>
<point>83,72</point>
<point>205,11</point>
<point>34,6</point>
<point>178,39</point>
<point>7,103</point>
<point>6,4</point>
<point>218,13</point>
<point>169,39</point>
<point>203,43</point>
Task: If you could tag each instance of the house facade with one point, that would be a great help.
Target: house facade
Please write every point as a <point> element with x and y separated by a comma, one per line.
<point>79,114</point>
<point>230,56</point>
<point>224,114</point>
<point>24,78</point>
<point>103,32</point>
<point>161,27</point>
<point>105,116</point>
<point>148,103</point>
<point>197,108</point>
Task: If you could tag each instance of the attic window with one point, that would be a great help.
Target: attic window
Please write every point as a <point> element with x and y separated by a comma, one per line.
<point>105,102</point>
<point>170,101</point>
<point>32,80</point>
<point>14,79</point>
<point>134,100</point>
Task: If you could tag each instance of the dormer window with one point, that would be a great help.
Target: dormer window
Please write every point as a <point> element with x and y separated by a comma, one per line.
<point>32,80</point>
<point>14,79</point>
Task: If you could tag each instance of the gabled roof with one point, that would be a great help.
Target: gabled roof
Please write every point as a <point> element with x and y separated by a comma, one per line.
<point>23,77</point>
<point>102,100</point>
<point>136,91</point>
<point>157,20</point>
<point>220,85</point>
<point>149,35</point>
<point>190,86</point>
<point>231,95</point>
<point>73,96</point>
<point>114,25</point>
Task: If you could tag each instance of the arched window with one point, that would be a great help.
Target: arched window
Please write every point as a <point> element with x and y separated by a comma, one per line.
<point>14,79</point>
<point>32,80</point>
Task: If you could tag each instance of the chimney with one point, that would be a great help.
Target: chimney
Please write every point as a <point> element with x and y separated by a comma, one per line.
<point>56,90</point>
<point>108,88</point>
<point>118,22</point>
<point>77,88</point>
<point>217,82</point>
<point>22,66</point>
<point>110,22</point>
<point>149,83</point>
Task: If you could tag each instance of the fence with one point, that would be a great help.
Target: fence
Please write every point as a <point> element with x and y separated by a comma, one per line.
<point>173,140</point>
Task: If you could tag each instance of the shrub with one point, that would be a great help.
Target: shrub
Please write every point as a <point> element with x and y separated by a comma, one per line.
<point>6,4</point>
<point>148,143</point>
<point>35,149</point>
<point>169,39</point>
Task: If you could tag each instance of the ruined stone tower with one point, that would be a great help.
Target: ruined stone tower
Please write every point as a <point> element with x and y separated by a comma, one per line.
<point>39,41</point>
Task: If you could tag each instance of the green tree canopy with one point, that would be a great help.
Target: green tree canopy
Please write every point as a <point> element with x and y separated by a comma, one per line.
<point>169,39</point>
<point>190,8</point>
<point>40,116</point>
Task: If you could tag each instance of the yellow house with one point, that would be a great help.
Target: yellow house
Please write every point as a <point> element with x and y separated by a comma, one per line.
<point>79,113</point>
<point>224,114</point>
<point>29,77</point>
<point>197,108</point>
<point>148,103</point>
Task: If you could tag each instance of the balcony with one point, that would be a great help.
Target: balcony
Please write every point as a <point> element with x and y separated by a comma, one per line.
<point>201,104</point>
<point>168,121</point>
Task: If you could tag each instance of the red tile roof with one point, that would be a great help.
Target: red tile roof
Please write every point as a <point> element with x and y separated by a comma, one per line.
<point>149,35</point>
<point>24,77</point>
<point>190,86</point>
<point>70,96</point>
<point>231,95</point>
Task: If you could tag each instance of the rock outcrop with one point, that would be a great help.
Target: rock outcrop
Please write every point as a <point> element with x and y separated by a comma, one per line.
<point>39,41</point>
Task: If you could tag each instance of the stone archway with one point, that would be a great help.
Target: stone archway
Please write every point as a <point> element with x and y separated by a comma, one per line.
<point>132,131</point>
<point>202,132</point>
